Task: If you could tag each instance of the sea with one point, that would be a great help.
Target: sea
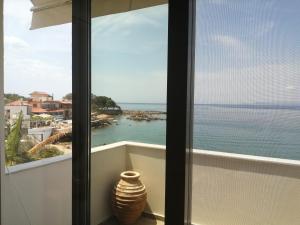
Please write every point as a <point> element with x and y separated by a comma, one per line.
<point>260,130</point>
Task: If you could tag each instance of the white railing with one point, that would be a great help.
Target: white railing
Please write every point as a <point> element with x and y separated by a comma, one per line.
<point>227,188</point>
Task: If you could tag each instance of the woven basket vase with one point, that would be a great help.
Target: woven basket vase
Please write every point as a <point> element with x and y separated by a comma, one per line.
<point>129,198</point>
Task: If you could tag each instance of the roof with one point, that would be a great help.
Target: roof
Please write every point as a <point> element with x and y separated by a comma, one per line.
<point>40,93</point>
<point>51,101</point>
<point>46,111</point>
<point>18,103</point>
<point>38,110</point>
<point>66,102</point>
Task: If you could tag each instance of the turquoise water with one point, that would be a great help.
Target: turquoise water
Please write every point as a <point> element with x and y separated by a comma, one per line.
<point>153,132</point>
<point>263,131</point>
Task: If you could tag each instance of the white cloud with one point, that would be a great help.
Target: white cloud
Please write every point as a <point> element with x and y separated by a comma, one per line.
<point>25,75</point>
<point>119,23</point>
<point>230,42</point>
<point>233,46</point>
<point>16,42</point>
<point>262,28</point>
<point>261,83</point>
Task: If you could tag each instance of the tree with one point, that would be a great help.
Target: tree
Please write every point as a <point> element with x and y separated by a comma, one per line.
<point>13,141</point>
<point>13,97</point>
<point>102,103</point>
<point>68,97</point>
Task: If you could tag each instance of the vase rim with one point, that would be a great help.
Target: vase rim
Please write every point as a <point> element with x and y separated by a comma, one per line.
<point>130,174</point>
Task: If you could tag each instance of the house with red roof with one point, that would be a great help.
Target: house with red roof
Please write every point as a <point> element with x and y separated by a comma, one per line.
<point>39,103</point>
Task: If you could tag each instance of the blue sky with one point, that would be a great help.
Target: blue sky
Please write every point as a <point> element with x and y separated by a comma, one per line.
<point>129,55</point>
<point>246,52</point>
<point>35,59</point>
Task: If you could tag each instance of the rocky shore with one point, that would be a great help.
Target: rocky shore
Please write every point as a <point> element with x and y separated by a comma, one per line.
<point>144,115</point>
<point>101,120</point>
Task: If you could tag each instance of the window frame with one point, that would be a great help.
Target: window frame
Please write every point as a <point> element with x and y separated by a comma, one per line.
<point>81,89</point>
<point>181,37</point>
<point>181,48</point>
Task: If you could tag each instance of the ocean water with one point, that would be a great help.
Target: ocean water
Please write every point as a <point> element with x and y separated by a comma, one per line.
<point>263,131</point>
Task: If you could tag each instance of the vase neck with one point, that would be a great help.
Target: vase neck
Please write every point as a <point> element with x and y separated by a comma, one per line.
<point>130,176</point>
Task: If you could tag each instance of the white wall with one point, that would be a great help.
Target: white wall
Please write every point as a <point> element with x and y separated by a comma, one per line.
<point>230,189</point>
<point>149,160</point>
<point>14,110</point>
<point>106,165</point>
<point>38,193</point>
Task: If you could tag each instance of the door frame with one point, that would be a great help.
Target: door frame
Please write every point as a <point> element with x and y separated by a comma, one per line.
<point>181,35</point>
<point>81,130</point>
<point>181,48</point>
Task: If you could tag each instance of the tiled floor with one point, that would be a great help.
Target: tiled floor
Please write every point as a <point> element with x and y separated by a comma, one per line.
<point>141,221</point>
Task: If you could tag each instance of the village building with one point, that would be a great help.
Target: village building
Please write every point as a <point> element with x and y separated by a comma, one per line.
<point>13,109</point>
<point>56,108</point>
<point>39,103</point>
<point>38,96</point>
<point>43,103</point>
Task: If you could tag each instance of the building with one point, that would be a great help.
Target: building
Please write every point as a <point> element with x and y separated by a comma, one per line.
<point>43,103</point>
<point>13,109</point>
<point>56,108</point>
<point>38,96</point>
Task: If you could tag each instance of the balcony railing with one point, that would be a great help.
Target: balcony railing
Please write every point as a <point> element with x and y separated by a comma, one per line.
<point>227,188</point>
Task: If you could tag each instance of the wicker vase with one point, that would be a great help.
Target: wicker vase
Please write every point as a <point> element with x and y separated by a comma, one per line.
<point>129,198</point>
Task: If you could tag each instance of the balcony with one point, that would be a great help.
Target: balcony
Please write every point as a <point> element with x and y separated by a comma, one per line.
<point>228,189</point>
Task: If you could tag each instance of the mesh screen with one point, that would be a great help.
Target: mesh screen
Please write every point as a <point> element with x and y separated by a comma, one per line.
<point>247,112</point>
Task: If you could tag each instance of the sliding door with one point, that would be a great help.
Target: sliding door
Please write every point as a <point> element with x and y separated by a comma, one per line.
<point>128,111</point>
<point>246,113</point>
<point>133,96</point>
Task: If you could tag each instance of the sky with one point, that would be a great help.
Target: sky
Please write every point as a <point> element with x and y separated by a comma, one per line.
<point>246,52</point>
<point>35,60</point>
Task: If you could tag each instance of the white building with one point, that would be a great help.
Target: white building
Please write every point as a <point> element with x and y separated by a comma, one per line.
<point>13,109</point>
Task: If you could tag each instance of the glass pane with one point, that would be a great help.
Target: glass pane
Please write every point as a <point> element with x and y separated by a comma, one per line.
<point>247,113</point>
<point>36,166</point>
<point>129,86</point>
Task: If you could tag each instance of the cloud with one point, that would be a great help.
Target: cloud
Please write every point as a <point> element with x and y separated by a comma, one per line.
<point>233,46</point>
<point>230,42</point>
<point>133,32</point>
<point>262,28</point>
<point>261,83</point>
<point>25,75</point>
<point>15,42</point>
<point>120,23</point>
